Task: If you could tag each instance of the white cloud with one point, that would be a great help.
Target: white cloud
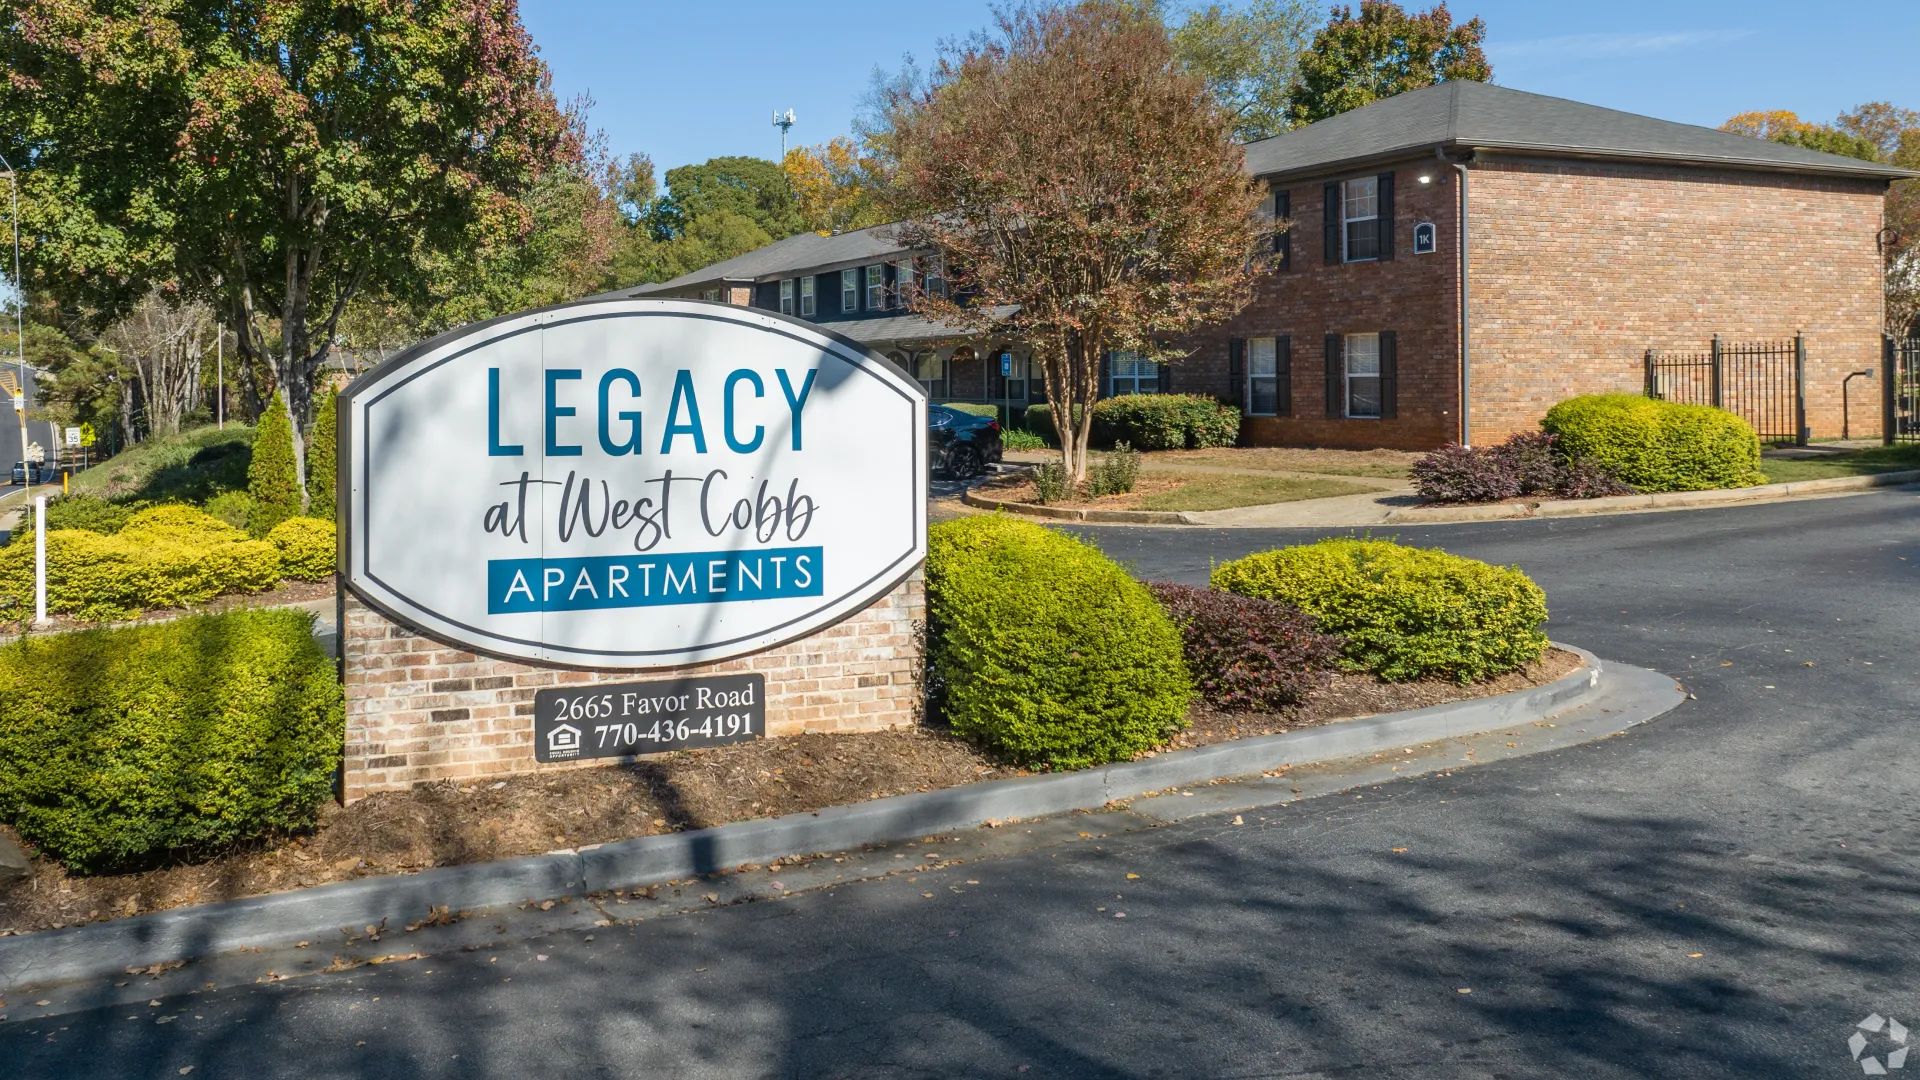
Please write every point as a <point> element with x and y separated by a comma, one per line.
<point>1600,46</point>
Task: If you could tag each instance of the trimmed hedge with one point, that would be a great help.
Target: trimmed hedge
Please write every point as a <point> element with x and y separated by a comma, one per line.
<point>1658,445</point>
<point>121,747</point>
<point>1045,650</point>
<point>165,556</point>
<point>991,412</point>
<point>1150,422</point>
<point>306,548</point>
<point>78,512</point>
<point>1406,613</point>
<point>1165,422</point>
<point>1244,652</point>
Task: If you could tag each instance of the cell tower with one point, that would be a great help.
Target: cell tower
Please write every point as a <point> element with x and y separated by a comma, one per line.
<point>783,121</point>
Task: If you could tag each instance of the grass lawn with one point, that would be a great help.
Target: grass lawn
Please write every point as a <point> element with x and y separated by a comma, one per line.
<point>192,466</point>
<point>1387,464</point>
<point>1860,462</point>
<point>1220,491</point>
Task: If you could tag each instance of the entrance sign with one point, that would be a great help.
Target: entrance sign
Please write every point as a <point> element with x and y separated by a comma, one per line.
<point>623,719</point>
<point>632,483</point>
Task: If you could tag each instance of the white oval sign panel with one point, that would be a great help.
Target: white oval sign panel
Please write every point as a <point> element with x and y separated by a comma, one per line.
<point>632,483</point>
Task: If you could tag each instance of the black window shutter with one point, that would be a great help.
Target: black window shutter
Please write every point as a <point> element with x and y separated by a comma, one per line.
<point>1236,371</point>
<point>1283,369</point>
<point>1386,216</point>
<point>1283,241</point>
<point>1389,373</point>
<point>1335,362</point>
<point>1330,227</point>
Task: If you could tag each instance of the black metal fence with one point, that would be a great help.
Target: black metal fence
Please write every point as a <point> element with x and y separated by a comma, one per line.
<point>1762,381</point>
<point>1899,390</point>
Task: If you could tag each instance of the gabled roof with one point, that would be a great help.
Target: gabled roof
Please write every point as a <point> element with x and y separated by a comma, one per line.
<point>1462,116</point>
<point>806,251</point>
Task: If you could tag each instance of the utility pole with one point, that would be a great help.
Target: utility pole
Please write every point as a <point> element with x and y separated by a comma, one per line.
<point>783,121</point>
<point>19,323</point>
<point>220,368</point>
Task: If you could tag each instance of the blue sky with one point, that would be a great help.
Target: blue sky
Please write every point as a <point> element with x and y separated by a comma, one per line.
<point>684,82</point>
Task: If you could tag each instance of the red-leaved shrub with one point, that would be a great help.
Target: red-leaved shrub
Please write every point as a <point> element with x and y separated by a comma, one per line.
<point>1246,653</point>
<point>1528,463</point>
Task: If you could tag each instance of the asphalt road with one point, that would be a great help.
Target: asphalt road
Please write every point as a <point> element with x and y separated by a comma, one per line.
<point>1723,892</point>
<point>37,430</point>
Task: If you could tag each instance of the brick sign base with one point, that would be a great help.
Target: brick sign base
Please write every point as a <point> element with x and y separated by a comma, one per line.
<point>419,709</point>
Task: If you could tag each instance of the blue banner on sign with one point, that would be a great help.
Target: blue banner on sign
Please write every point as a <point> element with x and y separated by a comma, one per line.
<point>624,581</point>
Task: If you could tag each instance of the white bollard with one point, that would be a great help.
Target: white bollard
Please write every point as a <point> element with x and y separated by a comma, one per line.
<point>39,560</point>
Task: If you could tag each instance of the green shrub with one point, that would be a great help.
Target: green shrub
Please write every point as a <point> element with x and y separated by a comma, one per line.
<point>192,466</point>
<point>306,548</point>
<point>1115,473</point>
<point>1039,420</point>
<point>320,456</point>
<point>232,507</point>
<point>271,478</point>
<point>121,747</point>
<point>165,556</point>
<point>973,408</point>
<point>1165,422</point>
<point>1045,650</point>
<point>78,512</point>
<point>1021,440</point>
<point>1658,445</point>
<point>1051,483</point>
<point>1406,613</point>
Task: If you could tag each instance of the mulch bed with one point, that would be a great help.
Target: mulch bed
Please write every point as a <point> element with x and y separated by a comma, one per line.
<point>445,824</point>
<point>1020,489</point>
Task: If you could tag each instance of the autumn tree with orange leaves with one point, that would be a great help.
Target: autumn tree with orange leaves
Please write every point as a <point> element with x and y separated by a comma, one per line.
<point>1085,190</point>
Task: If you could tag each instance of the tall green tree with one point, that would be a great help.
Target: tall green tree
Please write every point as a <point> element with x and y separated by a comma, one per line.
<point>1249,58</point>
<point>273,475</point>
<point>278,157</point>
<point>1359,59</point>
<point>1081,183</point>
<point>752,188</point>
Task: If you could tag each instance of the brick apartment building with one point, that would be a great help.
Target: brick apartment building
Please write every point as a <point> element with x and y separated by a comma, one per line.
<point>1592,236</point>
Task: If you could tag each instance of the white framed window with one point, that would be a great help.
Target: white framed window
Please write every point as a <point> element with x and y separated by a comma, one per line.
<point>936,275</point>
<point>1132,375</point>
<point>849,290</point>
<point>930,369</point>
<point>786,296</point>
<point>876,287</point>
<point>710,294</point>
<point>806,297</point>
<point>1363,376</point>
<point>902,282</point>
<point>1263,376</point>
<point>1360,219</point>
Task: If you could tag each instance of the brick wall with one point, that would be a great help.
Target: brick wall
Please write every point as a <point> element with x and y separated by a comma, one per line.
<point>420,709</point>
<point>1578,268</point>
<point>1416,296</point>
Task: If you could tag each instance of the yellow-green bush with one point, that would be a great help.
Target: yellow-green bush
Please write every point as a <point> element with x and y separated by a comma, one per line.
<point>120,747</point>
<point>165,556</point>
<point>306,548</point>
<point>1658,445</point>
<point>1045,650</point>
<point>1406,613</point>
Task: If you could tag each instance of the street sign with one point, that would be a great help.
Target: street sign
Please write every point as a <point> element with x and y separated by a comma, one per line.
<point>73,437</point>
<point>621,719</point>
<point>633,483</point>
<point>1006,364</point>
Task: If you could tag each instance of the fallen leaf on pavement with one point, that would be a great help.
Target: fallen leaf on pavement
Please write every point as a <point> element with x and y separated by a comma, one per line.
<point>1133,877</point>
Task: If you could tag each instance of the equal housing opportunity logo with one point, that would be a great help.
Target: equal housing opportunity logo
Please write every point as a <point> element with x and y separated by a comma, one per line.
<point>1888,1041</point>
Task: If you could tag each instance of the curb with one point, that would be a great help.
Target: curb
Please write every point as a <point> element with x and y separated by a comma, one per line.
<point>1666,500</point>
<point>1069,513</point>
<point>283,918</point>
